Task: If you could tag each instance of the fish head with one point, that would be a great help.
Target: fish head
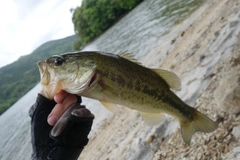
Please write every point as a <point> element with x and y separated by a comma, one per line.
<point>65,72</point>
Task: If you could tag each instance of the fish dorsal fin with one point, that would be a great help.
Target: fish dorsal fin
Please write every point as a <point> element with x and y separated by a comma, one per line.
<point>110,106</point>
<point>170,78</point>
<point>128,56</point>
<point>153,119</point>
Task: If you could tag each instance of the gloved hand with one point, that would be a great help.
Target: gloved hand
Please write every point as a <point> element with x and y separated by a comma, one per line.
<point>66,139</point>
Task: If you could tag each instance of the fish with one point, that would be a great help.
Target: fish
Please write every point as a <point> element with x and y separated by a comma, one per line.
<point>120,80</point>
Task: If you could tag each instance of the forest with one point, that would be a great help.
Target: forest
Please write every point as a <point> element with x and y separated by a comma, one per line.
<point>93,17</point>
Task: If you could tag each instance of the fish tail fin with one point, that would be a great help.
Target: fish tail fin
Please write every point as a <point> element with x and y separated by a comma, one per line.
<point>199,123</point>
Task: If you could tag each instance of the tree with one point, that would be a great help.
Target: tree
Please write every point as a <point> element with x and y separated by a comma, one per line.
<point>95,16</point>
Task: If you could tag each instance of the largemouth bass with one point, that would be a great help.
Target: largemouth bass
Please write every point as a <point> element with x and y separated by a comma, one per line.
<point>120,80</point>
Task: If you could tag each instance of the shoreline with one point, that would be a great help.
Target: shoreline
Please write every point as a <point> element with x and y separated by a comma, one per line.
<point>201,51</point>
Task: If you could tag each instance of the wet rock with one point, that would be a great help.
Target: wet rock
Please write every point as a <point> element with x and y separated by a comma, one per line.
<point>227,94</point>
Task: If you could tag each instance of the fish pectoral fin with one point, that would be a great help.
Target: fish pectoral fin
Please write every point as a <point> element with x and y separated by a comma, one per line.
<point>110,106</point>
<point>152,119</point>
<point>199,123</point>
<point>170,78</point>
<point>108,90</point>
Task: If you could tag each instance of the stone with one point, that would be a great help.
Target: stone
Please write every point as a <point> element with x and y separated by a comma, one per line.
<point>236,132</point>
<point>150,139</point>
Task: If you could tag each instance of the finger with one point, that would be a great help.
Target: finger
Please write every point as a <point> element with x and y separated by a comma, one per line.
<point>82,113</point>
<point>60,108</point>
<point>60,96</point>
<point>41,92</point>
<point>63,124</point>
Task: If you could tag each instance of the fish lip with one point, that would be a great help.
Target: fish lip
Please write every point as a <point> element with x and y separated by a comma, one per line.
<point>42,65</point>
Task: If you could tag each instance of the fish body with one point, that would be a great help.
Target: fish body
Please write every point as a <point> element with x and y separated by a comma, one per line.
<point>121,80</point>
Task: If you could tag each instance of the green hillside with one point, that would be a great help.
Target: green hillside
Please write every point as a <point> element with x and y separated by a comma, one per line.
<point>18,78</point>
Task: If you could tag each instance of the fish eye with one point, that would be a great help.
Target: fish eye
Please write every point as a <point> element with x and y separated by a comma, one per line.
<point>58,61</point>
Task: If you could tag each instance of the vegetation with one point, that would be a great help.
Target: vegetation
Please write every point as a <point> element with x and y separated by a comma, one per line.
<point>94,16</point>
<point>90,20</point>
<point>18,78</point>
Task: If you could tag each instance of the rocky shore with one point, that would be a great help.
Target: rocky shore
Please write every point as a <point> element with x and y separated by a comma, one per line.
<point>204,51</point>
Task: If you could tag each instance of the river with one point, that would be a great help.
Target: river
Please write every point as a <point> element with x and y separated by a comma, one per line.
<point>142,29</point>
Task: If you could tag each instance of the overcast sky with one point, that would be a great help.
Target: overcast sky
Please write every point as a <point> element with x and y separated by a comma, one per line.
<point>26,24</point>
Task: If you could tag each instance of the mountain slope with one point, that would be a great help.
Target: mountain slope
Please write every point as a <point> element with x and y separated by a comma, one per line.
<point>20,76</point>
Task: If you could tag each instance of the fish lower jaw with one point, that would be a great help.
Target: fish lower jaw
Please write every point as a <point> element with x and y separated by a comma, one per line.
<point>52,89</point>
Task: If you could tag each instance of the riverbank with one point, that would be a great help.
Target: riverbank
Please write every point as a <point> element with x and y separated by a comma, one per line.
<point>208,55</point>
<point>204,52</point>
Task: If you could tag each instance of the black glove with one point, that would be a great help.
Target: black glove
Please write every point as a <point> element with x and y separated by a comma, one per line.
<point>68,137</point>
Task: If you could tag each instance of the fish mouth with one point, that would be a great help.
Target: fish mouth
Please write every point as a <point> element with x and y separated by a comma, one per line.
<point>41,66</point>
<point>49,86</point>
<point>44,74</point>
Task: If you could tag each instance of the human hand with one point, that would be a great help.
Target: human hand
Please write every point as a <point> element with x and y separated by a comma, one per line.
<point>66,144</point>
<point>64,100</point>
